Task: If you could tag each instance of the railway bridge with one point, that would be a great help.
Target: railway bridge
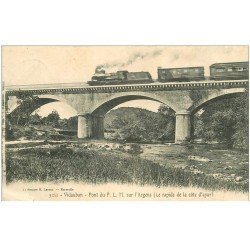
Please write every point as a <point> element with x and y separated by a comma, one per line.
<point>93,102</point>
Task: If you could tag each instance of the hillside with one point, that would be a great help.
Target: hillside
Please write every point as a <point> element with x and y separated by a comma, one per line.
<point>136,124</point>
<point>128,113</point>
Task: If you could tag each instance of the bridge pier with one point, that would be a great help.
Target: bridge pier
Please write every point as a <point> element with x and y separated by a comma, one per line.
<point>98,126</point>
<point>90,126</point>
<point>84,126</point>
<point>182,127</point>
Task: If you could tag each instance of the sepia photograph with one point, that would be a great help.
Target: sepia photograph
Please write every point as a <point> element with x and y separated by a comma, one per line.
<point>125,123</point>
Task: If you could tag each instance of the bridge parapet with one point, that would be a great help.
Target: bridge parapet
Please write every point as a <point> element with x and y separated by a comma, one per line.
<point>156,86</point>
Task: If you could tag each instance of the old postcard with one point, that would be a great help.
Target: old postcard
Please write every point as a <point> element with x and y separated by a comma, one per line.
<point>125,123</point>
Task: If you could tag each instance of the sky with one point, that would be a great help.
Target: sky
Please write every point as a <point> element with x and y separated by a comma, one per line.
<point>69,64</point>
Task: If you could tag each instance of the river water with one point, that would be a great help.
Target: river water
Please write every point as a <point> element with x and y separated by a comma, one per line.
<point>213,160</point>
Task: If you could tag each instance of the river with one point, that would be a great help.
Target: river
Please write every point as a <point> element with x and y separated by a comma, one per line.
<point>215,160</point>
<point>212,160</point>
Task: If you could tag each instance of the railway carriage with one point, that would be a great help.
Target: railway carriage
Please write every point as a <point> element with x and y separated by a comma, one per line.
<point>181,74</point>
<point>229,71</point>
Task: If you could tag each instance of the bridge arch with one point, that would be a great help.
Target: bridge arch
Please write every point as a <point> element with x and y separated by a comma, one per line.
<point>108,103</point>
<point>38,102</point>
<point>92,124</point>
<point>215,95</point>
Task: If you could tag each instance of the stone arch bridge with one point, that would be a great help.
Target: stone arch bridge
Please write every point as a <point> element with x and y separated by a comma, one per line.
<point>93,102</point>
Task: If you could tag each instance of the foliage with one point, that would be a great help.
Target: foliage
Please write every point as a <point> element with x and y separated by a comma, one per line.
<point>225,121</point>
<point>72,123</point>
<point>35,119</point>
<point>26,104</point>
<point>91,166</point>
<point>197,95</point>
<point>169,115</point>
<point>141,125</point>
<point>52,119</point>
<point>38,128</point>
<point>8,130</point>
<point>167,111</point>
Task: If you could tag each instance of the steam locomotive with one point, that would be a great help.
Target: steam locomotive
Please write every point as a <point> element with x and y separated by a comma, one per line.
<point>120,77</point>
<point>218,71</point>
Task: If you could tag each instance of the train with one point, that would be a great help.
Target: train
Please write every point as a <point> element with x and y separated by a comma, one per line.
<point>218,71</point>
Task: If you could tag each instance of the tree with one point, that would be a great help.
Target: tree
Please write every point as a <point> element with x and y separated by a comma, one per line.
<point>120,122</point>
<point>225,121</point>
<point>35,119</point>
<point>72,123</point>
<point>134,132</point>
<point>63,123</point>
<point>26,103</point>
<point>52,119</point>
<point>168,118</point>
<point>135,124</point>
<point>166,111</point>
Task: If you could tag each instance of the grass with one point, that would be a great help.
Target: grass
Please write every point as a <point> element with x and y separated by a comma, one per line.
<point>62,164</point>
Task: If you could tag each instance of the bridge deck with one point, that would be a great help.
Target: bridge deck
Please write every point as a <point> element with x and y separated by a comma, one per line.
<point>83,87</point>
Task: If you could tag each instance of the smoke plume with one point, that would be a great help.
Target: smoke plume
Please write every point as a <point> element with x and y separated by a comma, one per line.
<point>131,60</point>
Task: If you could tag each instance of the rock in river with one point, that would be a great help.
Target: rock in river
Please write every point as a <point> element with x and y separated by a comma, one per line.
<point>239,178</point>
<point>198,158</point>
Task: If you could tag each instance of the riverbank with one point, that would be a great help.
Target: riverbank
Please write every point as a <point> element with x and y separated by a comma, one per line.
<point>155,165</point>
<point>212,160</point>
